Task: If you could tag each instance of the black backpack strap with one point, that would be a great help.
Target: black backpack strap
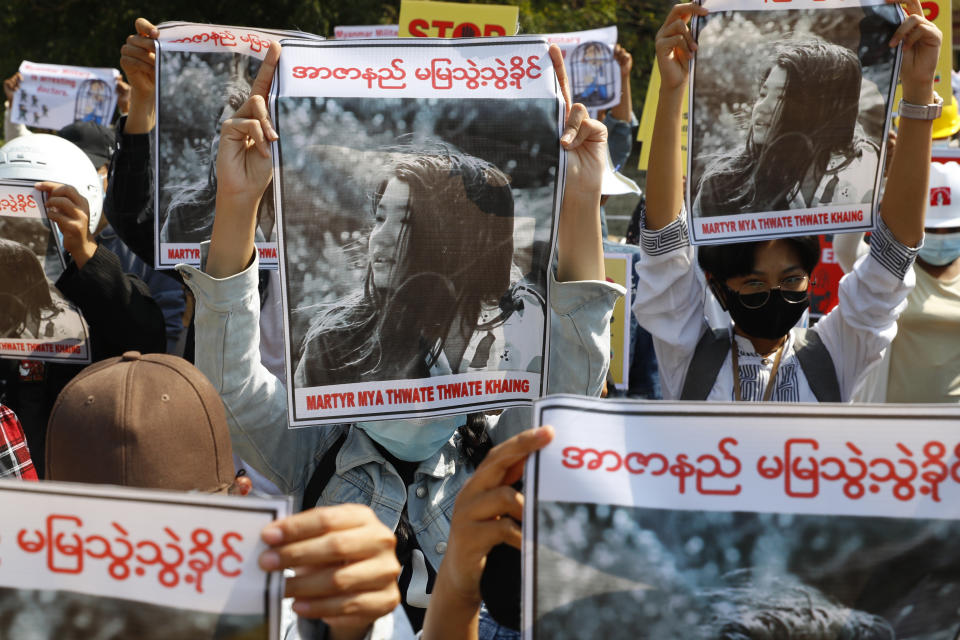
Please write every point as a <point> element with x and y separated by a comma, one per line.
<point>817,365</point>
<point>705,365</point>
<point>322,474</point>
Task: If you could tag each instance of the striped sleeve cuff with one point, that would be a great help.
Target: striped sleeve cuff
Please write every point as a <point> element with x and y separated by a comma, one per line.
<point>894,256</point>
<point>672,237</point>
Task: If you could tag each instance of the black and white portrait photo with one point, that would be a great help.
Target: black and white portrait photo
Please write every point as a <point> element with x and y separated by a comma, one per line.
<point>790,109</point>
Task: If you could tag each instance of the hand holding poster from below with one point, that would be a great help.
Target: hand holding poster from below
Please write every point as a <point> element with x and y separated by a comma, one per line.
<point>687,520</point>
<point>418,187</point>
<point>36,321</point>
<point>790,105</point>
<point>52,96</point>
<point>189,561</point>
<point>203,74</point>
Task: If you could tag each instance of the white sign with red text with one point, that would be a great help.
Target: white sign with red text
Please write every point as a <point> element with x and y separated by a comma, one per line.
<point>686,517</point>
<point>185,551</point>
<point>51,96</point>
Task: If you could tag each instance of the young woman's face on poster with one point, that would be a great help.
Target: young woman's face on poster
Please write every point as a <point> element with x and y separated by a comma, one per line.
<point>388,238</point>
<point>766,108</point>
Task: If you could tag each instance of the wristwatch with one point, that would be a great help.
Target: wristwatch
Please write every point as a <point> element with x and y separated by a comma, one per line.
<point>921,111</point>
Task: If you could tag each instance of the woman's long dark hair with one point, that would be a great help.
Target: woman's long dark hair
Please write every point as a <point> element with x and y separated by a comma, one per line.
<point>816,119</point>
<point>24,290</point>
<point>457,252</point>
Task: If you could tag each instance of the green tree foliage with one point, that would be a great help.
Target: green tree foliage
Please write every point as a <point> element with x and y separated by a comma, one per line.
<point>90,33</point>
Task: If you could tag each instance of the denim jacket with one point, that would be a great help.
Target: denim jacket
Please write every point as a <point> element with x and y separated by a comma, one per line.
<point>227,352</point>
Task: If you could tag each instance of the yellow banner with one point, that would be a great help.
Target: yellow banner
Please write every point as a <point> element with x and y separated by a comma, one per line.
<point>420,19</point>
<point>617,266</point>
<point>649,114</point>
<point>939,13</point>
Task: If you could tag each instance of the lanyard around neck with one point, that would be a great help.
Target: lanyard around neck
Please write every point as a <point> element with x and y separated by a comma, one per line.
<point>734,359</point>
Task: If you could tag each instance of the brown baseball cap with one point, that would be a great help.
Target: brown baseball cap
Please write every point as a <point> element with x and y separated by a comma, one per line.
<point>148,420</point>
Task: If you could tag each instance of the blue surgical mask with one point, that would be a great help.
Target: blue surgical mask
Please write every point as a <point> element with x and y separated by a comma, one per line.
<point>414,439</point>
<point>940,249</point>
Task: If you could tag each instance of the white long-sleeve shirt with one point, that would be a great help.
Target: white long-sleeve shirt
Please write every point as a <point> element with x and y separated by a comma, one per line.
<point>669,303</point>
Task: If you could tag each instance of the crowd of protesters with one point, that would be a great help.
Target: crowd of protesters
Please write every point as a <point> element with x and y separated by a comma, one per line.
<point>385,504</point>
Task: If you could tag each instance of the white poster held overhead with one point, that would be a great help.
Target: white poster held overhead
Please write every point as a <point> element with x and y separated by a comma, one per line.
<point>36,321</point>
<point>156,564</point>
<point>418,184</point>
<point>594,73</point>
<point>51,96</point>
<point>702,520</point>
<point>790,105</point>
<point>204,73</point>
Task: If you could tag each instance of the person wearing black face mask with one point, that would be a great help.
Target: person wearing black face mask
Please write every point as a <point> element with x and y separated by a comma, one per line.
<point>763,285</point>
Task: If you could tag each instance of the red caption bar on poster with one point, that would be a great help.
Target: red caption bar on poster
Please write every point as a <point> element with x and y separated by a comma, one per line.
<point>853,461</point>
<point>186,551</point>
<point>784,223</point>
<point>337,402</point>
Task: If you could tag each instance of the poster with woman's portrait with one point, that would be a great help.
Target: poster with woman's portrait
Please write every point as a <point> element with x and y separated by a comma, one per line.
<point>750,522</point>
<point>417,184</point>
<point>36,321</point>
<point>790,105</point>
<point>204,74</point>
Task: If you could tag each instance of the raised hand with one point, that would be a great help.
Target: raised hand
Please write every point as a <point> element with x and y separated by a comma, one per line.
<point>921,49</point>
<point>71,213</point>
<point>487,513</point>
<point>244,169</point>
<point>345,563</point>
<point>10,86</point>
<point>138,61</point>
<point>675,46</point>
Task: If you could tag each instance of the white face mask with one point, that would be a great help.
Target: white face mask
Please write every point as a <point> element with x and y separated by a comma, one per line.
<point>413,439</point>
<point>940,249</point>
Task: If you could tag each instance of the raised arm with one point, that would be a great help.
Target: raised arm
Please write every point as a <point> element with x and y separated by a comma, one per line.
<point>579,249</point>
<point>905,197</point>
<point>244,170</point>
<point>138,60</point>
<point>674,46</point>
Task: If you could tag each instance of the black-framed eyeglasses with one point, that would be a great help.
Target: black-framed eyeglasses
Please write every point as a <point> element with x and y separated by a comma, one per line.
<point>756,293</point>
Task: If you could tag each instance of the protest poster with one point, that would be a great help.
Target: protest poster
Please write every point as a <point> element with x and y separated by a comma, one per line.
<point>95,561</point>
<point>366,32</point>
<point>723,520</point>
<point>204,73</point>
<point>619,269</point>
<point>417,186</point>
<point>36,321</point>
<point>593,72</point>
<point>429,19</point>
<point>790,106</point>
<point>51,96</point>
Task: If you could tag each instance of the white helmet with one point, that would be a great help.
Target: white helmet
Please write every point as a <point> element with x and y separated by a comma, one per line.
<point>40,156</point>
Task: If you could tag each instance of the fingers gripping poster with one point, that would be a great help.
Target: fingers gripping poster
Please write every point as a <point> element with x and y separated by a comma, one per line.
<point>204,74</point>
<point>417,185</point>
<point>36,321</point>
<point>718,521</point>
<point>790,103</point>
<point>92,561</point>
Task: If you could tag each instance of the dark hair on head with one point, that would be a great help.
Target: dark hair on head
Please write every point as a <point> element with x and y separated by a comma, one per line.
<point>782,609</point>
<point>816,118</point>
<point>724,261</point>
<point>24,290</point>
<point>457,257</point>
